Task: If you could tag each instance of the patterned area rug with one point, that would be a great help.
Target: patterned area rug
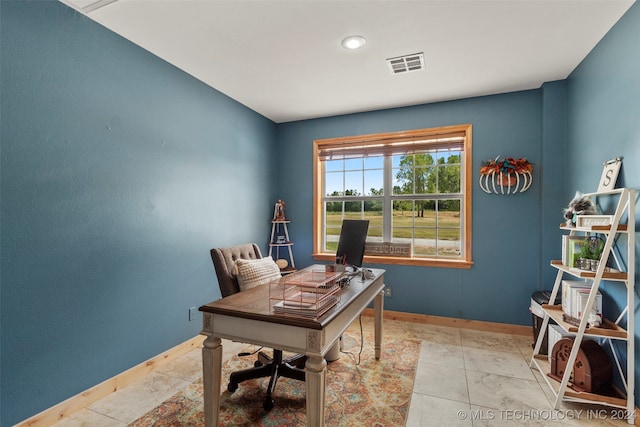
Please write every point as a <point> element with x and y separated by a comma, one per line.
<point>374,393</point>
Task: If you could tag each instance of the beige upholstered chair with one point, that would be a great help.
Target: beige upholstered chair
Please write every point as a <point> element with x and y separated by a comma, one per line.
<point>224,260</point>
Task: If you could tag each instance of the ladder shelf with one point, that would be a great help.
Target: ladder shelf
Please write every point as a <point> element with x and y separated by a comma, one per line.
<point>609,332</point>
<point>280,242</point>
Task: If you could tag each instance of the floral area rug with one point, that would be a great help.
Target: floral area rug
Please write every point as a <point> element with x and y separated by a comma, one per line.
<point>374,393</point>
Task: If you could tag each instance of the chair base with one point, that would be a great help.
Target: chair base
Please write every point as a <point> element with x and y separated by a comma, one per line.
<point>274,368</point>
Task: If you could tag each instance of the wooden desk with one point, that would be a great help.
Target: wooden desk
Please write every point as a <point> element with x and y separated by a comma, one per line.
<point>247,317</point>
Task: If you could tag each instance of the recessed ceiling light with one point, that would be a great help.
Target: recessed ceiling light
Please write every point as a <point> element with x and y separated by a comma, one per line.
<point>353,42</point>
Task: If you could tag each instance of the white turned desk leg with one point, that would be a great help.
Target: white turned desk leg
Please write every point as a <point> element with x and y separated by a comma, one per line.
<point>378,307</point>
<point>315,368</point>
<point>212,373</point>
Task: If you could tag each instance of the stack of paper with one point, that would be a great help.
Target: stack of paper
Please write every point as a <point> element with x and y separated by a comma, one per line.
<point>306,304</point>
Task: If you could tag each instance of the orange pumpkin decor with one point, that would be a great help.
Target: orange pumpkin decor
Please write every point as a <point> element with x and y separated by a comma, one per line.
<point>506,176</point>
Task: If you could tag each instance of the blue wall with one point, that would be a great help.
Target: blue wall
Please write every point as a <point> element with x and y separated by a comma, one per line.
<point>506,229</point>
<point>603,122</point>
<point>119,173</point>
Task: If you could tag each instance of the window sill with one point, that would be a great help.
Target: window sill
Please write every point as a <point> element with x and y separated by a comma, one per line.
<point>431,262</point>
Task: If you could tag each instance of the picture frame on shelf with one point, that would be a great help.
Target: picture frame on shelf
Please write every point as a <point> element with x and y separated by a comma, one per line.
<point>571,249</point>
<point>610,174</point>
<point>591,220</point>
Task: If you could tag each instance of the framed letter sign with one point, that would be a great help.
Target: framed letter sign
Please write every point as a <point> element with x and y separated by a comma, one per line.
<point>610,174</point>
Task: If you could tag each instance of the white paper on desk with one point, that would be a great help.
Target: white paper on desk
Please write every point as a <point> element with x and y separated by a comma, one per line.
<point>296,304</point>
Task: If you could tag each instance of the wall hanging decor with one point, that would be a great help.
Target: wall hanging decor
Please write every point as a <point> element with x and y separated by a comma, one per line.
<point>506,176</point>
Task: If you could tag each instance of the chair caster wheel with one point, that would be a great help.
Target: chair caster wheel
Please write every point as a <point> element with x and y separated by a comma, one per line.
<point>257,363</point>
<point>268,404</point>
<point>232,387</point>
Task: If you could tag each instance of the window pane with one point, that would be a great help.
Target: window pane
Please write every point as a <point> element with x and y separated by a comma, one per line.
<point>373,212</point>
<point>334,165</point>
<point>353,183</point>
<point>398,185</point>
<point>403,174</point>
<point>425,232</point>
<point>402,234</point>
<point>414,174</point>
<point>353,164</point>
<point>449,213</point>
<point>334,185</point>
<point>424,180</point>
<point>449,247</point>
<point>449,157</point>
<point>425,213</point>
<point>402,221</point>
<point>374,162</point>
<point>333,208</point>
<point>333,222</point>
<point>449,243</point>
<point>424,159</point>
<point>402,209</point>
<point>424,242</point>
<point>353,210</point>
<point>449,179</point>
<point>374,182</point>
<point>402,161</point>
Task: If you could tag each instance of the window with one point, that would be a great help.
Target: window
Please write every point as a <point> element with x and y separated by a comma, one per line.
<point>414,187</point>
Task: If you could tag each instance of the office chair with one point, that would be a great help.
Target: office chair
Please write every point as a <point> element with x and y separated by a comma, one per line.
<point>274,367</point>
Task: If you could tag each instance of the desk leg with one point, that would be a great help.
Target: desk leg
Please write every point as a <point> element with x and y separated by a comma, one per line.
<point>211,377</point>
<point>315,368</point>
<point>378,307</point>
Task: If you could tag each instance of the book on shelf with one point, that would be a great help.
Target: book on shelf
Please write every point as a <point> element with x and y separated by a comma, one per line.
<point>581,302</point>
<point>574,298</point>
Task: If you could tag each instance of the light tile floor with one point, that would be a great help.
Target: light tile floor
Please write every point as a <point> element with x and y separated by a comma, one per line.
<point>464,378</point>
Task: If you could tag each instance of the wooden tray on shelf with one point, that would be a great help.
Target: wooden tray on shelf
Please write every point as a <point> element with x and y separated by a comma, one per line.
<point>608,329</point>
<point>587,274</point>
<point>595,228</point>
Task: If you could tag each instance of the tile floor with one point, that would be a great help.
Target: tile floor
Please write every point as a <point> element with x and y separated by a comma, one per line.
<point>464,378</point>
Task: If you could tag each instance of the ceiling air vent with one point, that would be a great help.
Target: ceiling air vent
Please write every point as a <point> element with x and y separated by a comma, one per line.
<point>406,63</point>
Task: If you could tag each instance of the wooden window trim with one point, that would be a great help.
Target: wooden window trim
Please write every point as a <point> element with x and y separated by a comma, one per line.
<point>371,139</point>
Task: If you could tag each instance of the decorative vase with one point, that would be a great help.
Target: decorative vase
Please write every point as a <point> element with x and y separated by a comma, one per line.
<point>584,264</point>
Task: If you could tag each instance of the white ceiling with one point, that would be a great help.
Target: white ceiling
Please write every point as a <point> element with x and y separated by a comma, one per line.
<point>284,60</point>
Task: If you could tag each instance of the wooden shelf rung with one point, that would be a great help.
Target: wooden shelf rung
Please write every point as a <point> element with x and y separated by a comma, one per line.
<point>607,330</point>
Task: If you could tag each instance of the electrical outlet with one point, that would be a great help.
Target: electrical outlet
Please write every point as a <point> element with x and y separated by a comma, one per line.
<point>192,314</point>
<point>387,291</point>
